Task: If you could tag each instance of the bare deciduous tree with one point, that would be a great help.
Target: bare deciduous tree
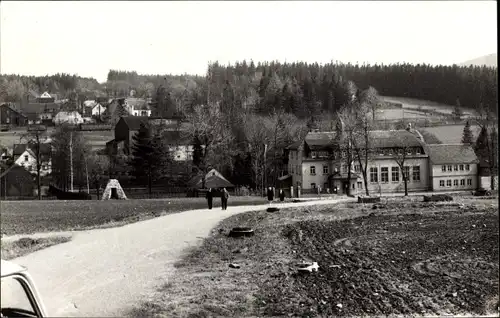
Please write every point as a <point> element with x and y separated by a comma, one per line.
<point>35,138</point>
<point>208,126</point>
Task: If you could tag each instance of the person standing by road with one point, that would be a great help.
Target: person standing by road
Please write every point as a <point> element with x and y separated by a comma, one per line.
<point>210,198</point>
<point>270,195</point>
<point>224,197</point>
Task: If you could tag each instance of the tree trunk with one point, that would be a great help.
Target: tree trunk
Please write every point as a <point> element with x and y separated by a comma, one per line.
<point>149,183</point>
<point>97,189</point>
<point>405,179</point>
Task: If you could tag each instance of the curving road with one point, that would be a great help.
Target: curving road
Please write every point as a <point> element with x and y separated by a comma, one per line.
<point>106,272</point>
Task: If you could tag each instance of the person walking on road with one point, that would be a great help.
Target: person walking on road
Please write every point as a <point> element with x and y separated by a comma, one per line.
<point>282,195</point>
<point>210,198</point>
<point>224,197</point>
<point>270,195</point>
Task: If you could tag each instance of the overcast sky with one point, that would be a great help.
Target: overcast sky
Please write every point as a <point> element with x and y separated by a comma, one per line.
<point>89,38</point>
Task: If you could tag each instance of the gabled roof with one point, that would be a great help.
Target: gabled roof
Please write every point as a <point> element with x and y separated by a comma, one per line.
<point>45,95</point>
<point>213,179</point>
<point>393,139</point>
<point>134,122</point>
<point>320,139</point>
<point>11,108</point>
<point>20,148</point>
<point>38,108</point>
<point>294,146</point>
<point>451,154</point>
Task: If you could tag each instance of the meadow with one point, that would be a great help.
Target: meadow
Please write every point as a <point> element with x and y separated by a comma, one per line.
<point>28,217</point>
<point>450,134</point>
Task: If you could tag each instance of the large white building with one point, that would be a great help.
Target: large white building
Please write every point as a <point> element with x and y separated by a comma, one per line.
<point>319,161</point>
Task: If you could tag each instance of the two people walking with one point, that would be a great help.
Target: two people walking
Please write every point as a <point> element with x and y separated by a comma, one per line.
<point>270,195</point>
<point>224,198</point>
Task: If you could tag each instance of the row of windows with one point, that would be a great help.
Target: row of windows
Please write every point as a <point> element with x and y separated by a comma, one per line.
<point>395,174</point>
<point>444,168</point>
<point>455,182</point>
<point>312,170</point>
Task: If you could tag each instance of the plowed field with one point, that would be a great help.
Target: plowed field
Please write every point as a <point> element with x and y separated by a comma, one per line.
<point>431,263</point>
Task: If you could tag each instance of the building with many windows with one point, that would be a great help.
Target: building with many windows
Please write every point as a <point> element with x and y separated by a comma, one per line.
<point>320,162</point>
<point>452,167</point>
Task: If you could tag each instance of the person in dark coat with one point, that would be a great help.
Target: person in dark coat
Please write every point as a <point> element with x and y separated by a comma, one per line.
<point>210,198</point>
<point>270,195</point>
<point>224,197</point>
<point>282,195</point>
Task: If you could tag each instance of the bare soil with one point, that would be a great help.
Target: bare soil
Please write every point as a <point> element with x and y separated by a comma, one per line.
<point>400,257</point>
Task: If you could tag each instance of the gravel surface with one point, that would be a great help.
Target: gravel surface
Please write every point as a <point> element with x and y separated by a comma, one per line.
<point>107,271</point>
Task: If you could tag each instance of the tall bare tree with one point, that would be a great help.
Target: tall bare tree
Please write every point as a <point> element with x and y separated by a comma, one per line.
<point>400,158</point>
<point>35,138</point>
<point>208,127</point>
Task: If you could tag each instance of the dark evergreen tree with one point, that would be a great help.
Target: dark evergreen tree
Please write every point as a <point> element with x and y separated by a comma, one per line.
<point>467,137</point>
<point>146,157</point>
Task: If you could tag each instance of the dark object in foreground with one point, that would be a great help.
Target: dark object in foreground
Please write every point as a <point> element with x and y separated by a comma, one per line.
<point>481,192</point>
<point>438,198</point>
<point>241,232</point>
<point>233,265</point>
<point>63,195</point>
<point>368,199</point>
<point>272,209</point>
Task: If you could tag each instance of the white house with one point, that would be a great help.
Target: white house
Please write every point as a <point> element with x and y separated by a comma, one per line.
<point>28,160</point>
<point>98,110</point>
<point>453,167</point>
<point>89,103</point>
<point>73,118</point>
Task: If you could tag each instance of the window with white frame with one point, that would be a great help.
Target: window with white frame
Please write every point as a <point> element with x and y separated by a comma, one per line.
<point>441,183</point>
<point>455,167</point>
<point>325,169</point>
<point>448,183</point>
<point>417,151</point>
<point>462,182</point>
<point>443,168</point>
<point>312,170</point>
<point>461,167</point>
<point>455,183</point>
<point>357,168</point>
<point>26,158</point>
<point>450,168</point>
<point>384,174</point>
<point>395,174</point>
<point>416,173</point>
<point>469,182</point>
<point>373,174</point>
<point>360,185</point>
<point>293,170</point>
<point>467,167</point>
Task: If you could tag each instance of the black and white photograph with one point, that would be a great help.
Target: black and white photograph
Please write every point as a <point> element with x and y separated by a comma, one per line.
<point>249,159</point>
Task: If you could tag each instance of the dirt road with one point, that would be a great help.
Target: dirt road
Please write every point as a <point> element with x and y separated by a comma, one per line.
<point>105,272</point>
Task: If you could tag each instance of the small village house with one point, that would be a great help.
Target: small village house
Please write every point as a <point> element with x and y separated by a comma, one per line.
<point>72,118</point>
<point>98,110</point>
<point>10,116</point>
<point>453,167</point>
<point>25,156</point>
<point>46,98</point>
<point>16,181</point>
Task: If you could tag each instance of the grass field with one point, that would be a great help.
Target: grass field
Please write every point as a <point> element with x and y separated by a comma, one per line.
<point>27,217</point>
<point>412,103</point>
<point>26,245</point>
<point>96,139</point>
<point>404,258</point>
<point>450,134</point>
